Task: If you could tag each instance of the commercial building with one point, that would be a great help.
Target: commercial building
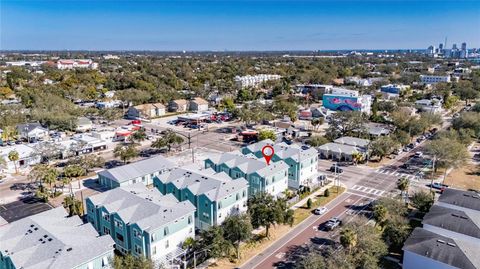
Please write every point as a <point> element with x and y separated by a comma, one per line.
<point>142,171</point>
<point>214,195</point>
<point>272,179</point>
<point>146,111</point>
<point>26,157</point>
<point>450,237</point>
<point>52,240</point>
<point>76,63</point>
<point>198,104</point>
<point>303,163</point>
<point>84,124</point>
<point>254,81</point>
<point>393,89</point>
<point>142,221</point>
<point>32,131</point>
<point>431,79</point>
<point>339,99</point>
<point>427,105</point>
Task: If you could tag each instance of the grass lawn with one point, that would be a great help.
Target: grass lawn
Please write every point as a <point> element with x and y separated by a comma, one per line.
<point>465,177</point>
<point>254,247</point>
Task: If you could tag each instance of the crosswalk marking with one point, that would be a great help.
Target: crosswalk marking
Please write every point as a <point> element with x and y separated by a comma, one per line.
<point>367,190</point>
<point>395,173</point>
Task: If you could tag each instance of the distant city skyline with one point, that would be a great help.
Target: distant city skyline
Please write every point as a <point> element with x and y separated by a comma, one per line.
<point>237,25</point>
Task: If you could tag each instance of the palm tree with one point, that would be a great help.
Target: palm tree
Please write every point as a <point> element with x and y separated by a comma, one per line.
<point>73,206</point>
<point>138,136</point>
<point>402,185</point>
<point>125,153</point>
<point>357,157</point>
<point>348,239</point>
<point>13,156</point>
<point>380,214</point>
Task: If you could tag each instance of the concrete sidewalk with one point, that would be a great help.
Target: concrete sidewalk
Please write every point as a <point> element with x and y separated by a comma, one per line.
<point>313,196</point>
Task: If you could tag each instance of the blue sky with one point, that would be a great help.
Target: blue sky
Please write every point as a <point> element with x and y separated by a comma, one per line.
<point>236,25</point>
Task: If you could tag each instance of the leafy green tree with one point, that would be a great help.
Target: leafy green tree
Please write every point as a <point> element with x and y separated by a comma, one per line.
<point>422,200</point>
<point>312,260</point>
<point>317,141</point>
<point>139,135</point>
<point>74,171</point>
<point>348,238</point>
<point>464,89</point>
<point>131,262</point>
<point>309,203</point>
<point>382,147</point>
<point>265,211</point>
<point>237,228</point>
<point>468,120</point>
<point>316,123</point>
<point>213,240</point>
<point>346,123</point>
<point>267,134</point>
<point>167,140</point>
<point>401,137</point>
<point>125,152</point>
<point>447,153</point>
<point>228,104</point>
<point>13,156</point>
<point>396,231</point>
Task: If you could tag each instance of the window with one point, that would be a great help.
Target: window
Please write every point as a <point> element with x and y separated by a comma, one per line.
<point>244,193</point>
<point>134,181</point>
<point>119,237</point>
<point>219,205</point>
<point>106,216</point>
<point>138,249</point>
<point>189,219</point>
<point>154,250</point>
<point>137,233</point>
<point>154,237</point>
<point>167,244</point>
<point>206,215</point>
<point>106,230</point>
<point>165,231</point>
<point>118,224</point>
<point>237,196</point>
<point>219,215</point>
<point>105,262</point>
<point>206,203</point>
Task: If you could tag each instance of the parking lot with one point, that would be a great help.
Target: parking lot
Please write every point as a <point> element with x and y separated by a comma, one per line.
<point>23,208</point>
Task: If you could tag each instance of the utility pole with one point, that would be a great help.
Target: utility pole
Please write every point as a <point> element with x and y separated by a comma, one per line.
<point>433,170</point>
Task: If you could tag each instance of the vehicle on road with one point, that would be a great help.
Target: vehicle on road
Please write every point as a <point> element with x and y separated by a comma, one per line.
<point>332,223</point>
<point>335,169</point>
<point>320,210</point>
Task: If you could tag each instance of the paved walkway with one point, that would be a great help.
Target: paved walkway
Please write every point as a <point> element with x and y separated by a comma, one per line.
<point>312,196</point>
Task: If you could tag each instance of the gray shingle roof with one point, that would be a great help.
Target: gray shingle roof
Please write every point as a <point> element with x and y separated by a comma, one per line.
<point>467,223</point>
<point>352,141</point>
<point>339,148</point>
<point>138,169</point>
<point>146,207</point>
<point>214,185</point>
<point>50,240</point>
<point>467,199</point>
<point>456,253</point>
<point>284,151</point>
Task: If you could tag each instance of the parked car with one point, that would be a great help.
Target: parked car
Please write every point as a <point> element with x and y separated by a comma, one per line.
<point>305,147</point>
<point>320,210</point>
<point>439,186</point>
<point>333,168</point>
<point>418,154</point>
<point>332,223</point>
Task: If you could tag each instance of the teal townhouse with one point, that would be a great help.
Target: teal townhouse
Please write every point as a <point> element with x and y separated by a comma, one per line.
<point>142,171</point>
<point>215,195</point>
<point>52,240</point>
<point>272,179</point>
<point>303,163</point>
<point>142,221</point>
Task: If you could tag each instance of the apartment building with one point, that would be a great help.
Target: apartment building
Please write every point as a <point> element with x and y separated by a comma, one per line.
<point>272,179</point>
<point>303,163</point>
<point>76,63</point>
<point>142,171</point>
<point>142,221</point>
<point>215,195</point>
<point>254,81</point>
<point>431,79</point>
<point>52,240</point>
<point>450,236</point>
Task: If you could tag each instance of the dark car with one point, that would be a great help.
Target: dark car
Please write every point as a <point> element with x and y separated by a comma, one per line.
<point>332,223</point>
<point>333,168</point>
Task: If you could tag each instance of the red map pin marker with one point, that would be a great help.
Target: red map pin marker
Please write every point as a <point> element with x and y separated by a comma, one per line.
<point>267,152</point>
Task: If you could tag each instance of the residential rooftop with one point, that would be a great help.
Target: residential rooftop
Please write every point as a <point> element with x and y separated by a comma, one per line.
<point>453,252</point>
<point>138,169</point>
<point>249,163</point>
<point>51,240</point>
<point>204,181</point>
<point>339,148</point>
<point>284,151</point>
<point>352,141</point>
<point>146,207</point>
<point>467,223</point>
<point>466,199</point>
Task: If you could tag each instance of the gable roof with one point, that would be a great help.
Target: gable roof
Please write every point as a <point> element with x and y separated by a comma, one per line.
<point>213,185</point>
<point>52,240</point>
<point>137,169</point>
<point>250,164</point>
<point>180,101</point>
<point>199,101</point>
<point>148,208</point>
<point>454,252</point>
<point>149,106</point>
<point>467,223</point>
<point>29,127</point>
<point>284,151</point>
<point>466,199</point>
<point>352,141</point>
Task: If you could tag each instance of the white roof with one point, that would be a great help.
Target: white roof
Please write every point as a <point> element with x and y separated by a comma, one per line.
<point>339,148</point>
<point>138,169</point>
<point>148,208</point>
<point>51,240</point>
<point>24,151</point>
